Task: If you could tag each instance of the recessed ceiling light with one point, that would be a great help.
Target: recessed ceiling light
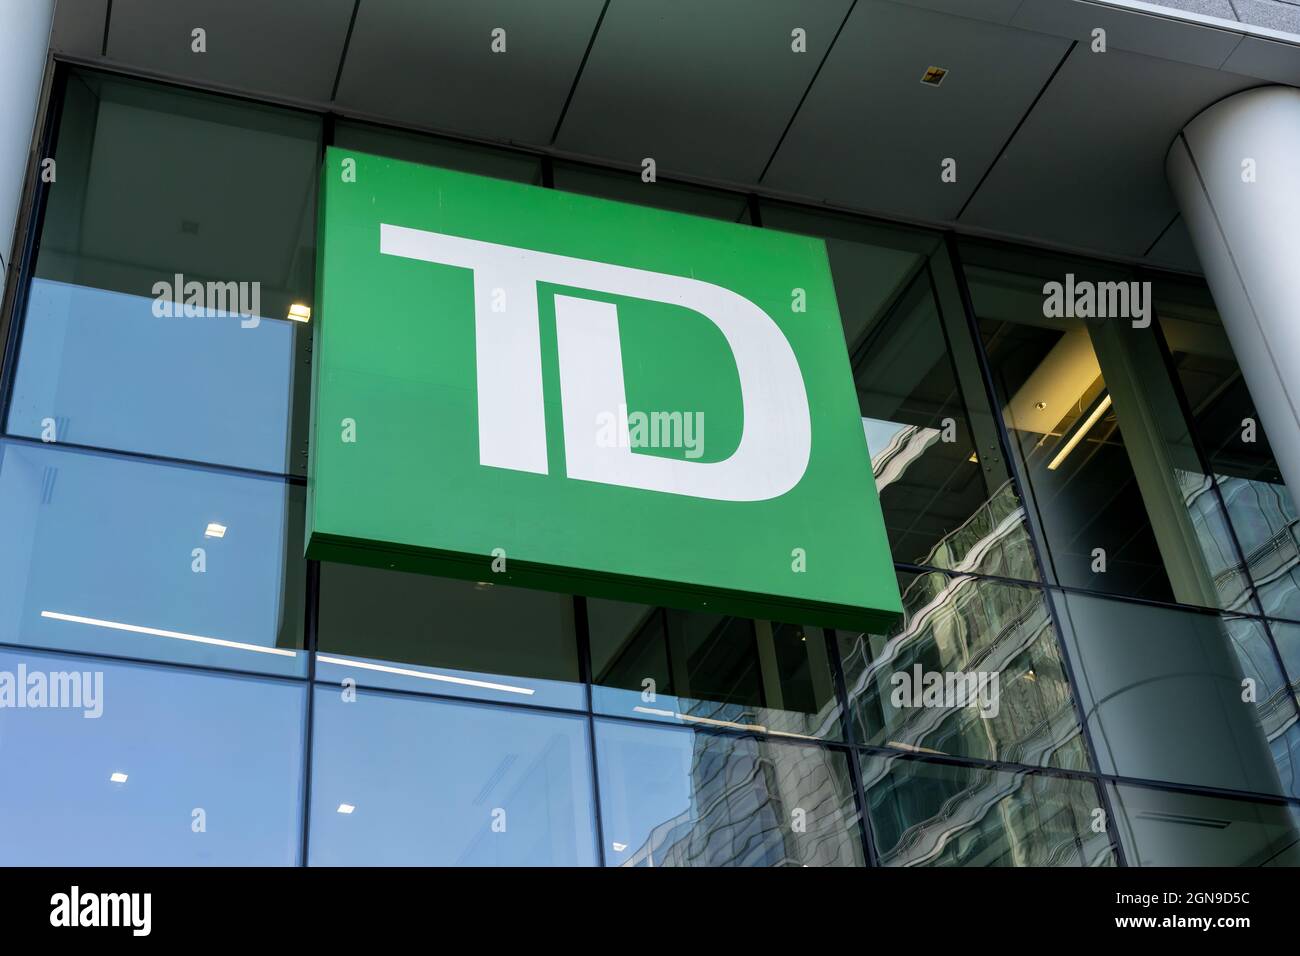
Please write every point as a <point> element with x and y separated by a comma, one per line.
<point>620,847</point>
<point>1040,405</point>
<point>934,76</point>
<point>299,312</point>
<point>117,777</point>
<point>346,808</point>
<point>214,530</point>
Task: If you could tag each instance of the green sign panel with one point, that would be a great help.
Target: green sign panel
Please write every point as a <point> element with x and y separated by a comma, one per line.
<point>526,386</point>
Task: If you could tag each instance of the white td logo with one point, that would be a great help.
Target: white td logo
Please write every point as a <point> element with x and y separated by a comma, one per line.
<point>776,436</point>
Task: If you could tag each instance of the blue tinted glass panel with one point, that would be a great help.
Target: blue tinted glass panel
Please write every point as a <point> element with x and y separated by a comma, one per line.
<point>110,555</point>
<point>400,780</point>
<point>99,368</point>
<point>674,797</point>
<point>171,201</point>
<point>147,766</point>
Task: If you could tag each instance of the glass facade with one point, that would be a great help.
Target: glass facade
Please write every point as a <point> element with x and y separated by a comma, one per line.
<point>1085,517</point>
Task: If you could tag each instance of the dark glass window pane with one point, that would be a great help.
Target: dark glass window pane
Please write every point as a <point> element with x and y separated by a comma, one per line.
<point>1115,480</point>
<point>1287,636</point>
<point>1231,434</point>
<point>926,814</point>
<point>1167,697</point>
<point>111,555</point>
<point>432,635</point>
<point>696,668</point>
<point>1165,828</point>
<point>947,498</point>
<point>403,781</point>
<point>436,151</point>
<point>628,187</point>
<point>674,797</point>
<point>219,193</point>
<point>995,645</point>
<point>179,768</point>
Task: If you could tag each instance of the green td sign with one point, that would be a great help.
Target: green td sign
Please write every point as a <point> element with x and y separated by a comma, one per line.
<point>525,386</point>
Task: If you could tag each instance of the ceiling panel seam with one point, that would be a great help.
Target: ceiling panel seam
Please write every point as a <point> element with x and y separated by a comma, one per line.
<point>1156,241</point>
<point>798,106</point>
<point>577,77</point>
<point>1240,39</point>
<point>108,16</point>
<point>343,56</point>
<point>1023,119</point>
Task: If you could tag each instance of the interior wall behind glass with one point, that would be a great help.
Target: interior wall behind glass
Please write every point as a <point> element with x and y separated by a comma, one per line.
<point>947,497</point>
<point>1116,483</point>
<point>705,669</point>
<point>179,230</point>
<point>1233,437</point>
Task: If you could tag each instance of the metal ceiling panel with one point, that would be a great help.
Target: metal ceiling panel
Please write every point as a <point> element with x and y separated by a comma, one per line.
<point>1087,167</point>
<point>1174,249</point>
<point>995,11</point>
<point>79,27</point>
<point>872,136</point>
<point>288,49</point>
<point>1266,59</point>
<point>1135,32</point>
<point>431,64</point>
<point>703,89</point>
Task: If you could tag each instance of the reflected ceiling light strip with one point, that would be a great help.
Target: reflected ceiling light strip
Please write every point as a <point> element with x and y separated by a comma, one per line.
<point>714,722</point>
<point>1079,432</point>
<point>654,712</point>
<point>791,733</point>
<point>913,747</point>
<point>175,635</point>
<point>405,672</point>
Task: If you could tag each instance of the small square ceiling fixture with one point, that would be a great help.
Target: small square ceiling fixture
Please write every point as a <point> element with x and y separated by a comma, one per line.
<point>299,312</point>
<point>934,76</point>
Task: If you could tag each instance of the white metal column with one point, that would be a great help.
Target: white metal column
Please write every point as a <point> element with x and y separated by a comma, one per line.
<point>24,43</point>
<point>1235,169</point>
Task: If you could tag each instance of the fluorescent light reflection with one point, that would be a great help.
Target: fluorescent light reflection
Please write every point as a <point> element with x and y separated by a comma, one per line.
<point>1079,433</point>
<point>713,722</point>
<point>424,675</point>
<point>174,635</point>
